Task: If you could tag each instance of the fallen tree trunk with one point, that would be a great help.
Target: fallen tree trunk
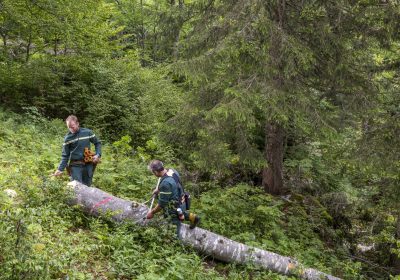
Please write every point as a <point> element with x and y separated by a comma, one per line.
<point>99,203</point>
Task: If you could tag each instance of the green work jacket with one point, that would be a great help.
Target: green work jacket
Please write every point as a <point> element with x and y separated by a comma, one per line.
<point>74,146</point>
<point>169,195</point>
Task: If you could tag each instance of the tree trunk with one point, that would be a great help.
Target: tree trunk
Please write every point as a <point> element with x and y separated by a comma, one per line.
<point>272,174</point>
<point>99,203</point>
<point>272,180</point>
<point>4,37</point>
<point>28,47</point>
<point>55,48</point>
<point>177,31</point>
<point>395,260</point>
<point>175,48</point>
<point>142,36</point>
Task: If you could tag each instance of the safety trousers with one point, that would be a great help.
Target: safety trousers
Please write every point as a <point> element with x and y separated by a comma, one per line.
<point>82,173</point>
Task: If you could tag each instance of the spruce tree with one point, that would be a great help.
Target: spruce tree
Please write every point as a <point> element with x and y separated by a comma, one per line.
<point>264,73</point>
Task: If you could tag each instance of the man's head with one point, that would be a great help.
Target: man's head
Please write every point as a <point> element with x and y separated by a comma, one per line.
<point>72,123</point>
<point>157,167</point>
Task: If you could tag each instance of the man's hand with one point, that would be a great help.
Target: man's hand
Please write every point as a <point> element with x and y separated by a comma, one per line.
<point>96,159</point>
<point>150,215</point>
<point>57,173</point>
<point>156,192</point>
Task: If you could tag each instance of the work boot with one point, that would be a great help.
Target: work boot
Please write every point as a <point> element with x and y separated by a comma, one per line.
<point>195,222</point>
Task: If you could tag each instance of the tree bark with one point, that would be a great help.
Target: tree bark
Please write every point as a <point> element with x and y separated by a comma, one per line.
<point>272,180</point>
<point>28,47</point>
<point>274,148</point>
<point>4,37</point>
<point>395,260</point>
<point>177,30</point>
<point>99,203</point>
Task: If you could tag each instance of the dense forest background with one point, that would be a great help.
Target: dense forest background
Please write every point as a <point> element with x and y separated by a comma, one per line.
<point>282,116</point>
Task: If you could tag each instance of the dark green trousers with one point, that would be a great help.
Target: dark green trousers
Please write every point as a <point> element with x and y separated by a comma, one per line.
<point>173,215</point>
<point>82,173</point>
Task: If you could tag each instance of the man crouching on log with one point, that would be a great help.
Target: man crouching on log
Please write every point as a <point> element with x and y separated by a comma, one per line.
<point>173,200</point>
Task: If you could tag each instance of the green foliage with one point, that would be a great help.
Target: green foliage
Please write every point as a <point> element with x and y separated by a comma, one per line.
<point>293,228</point>
<point>42,237</point>
<point>63,58</point>
<point>195,84</point>
<point>140,255</point>
<point>32,29</point>
<point>38,239</point>
<point>46,50</point>
<point>154,28</point>
<point>321,167</point>
<point>271,63</point>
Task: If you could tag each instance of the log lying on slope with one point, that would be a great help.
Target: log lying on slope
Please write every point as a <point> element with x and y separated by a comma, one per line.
<point>97,202</point>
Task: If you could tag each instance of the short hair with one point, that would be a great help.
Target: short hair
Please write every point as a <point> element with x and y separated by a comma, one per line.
<point>72,118</point>
<point>156,165</point>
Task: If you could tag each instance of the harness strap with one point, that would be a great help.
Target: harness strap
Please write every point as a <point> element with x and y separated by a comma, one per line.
<point>177,179</point>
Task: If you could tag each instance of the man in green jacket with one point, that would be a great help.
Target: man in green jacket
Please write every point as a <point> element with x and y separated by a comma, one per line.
<point>171,197</point>
<point>76,155</point>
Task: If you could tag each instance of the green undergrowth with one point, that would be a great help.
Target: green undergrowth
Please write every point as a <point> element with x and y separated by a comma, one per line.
<point>42,237</point>
<point>298,227</point>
